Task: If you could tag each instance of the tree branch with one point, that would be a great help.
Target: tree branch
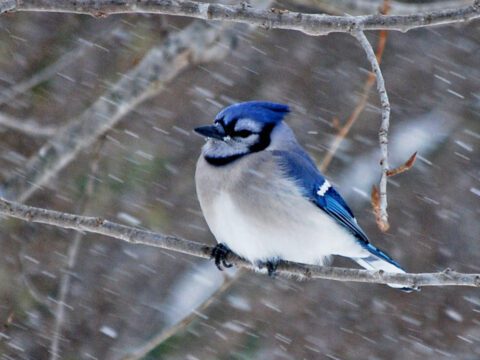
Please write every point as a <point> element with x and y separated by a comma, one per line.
<point>136,236</point>
<point>197,43</point>
<point>311,24</point>
<point>383,132</point>
<point>28,127</point>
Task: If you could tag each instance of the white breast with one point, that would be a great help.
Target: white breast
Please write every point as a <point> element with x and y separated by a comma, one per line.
<point>301,232</point>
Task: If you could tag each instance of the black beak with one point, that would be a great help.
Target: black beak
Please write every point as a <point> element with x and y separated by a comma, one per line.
<point>211,131</point>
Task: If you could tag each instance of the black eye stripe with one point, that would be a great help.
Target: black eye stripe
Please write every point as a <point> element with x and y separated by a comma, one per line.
<point>243,133</point>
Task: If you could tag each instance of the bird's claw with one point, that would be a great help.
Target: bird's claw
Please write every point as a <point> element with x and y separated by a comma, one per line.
<point>271,267</point>
<point>220,253</point>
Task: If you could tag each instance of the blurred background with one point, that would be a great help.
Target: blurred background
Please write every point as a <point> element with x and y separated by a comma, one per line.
<point>120,296</point>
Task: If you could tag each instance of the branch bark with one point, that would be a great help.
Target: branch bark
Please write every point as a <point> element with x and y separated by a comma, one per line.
<point>311,24</point>
<point>197,43</point>
<point>137,236</point>
<point>384,126</point>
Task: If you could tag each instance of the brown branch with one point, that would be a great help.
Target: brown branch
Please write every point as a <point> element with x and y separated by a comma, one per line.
<point>311,24</point>
<point>136,236</point>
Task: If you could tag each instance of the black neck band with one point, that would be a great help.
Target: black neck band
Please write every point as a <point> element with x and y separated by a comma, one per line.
<point>216,161</point>
<point>262,144</point>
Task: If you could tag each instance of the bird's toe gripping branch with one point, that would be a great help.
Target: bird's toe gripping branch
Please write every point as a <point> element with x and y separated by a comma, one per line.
<point>270,265</point>
<point>220,254</point>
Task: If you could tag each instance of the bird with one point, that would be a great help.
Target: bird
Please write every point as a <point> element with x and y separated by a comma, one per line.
<point>264,199</point>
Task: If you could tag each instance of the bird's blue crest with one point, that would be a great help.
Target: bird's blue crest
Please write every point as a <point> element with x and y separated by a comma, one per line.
<point>261,111</point>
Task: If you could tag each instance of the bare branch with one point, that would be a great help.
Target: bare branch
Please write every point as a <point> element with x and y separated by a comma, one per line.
<point>197,43</point>
<point>28,127</point>
<point>383,133</point>
<point>311,24</point>
<point>136,236</point>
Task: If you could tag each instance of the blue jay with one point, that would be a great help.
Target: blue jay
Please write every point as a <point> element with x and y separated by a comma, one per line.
<point>264,199</point>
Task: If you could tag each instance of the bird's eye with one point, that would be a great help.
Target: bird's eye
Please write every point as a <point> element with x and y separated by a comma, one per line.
<point>243,133</point>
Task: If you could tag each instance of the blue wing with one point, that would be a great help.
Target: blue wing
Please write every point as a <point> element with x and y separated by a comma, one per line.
<point>300,167</point>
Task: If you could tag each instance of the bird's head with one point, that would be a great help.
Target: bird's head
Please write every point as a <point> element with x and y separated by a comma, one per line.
<point>241,129</point>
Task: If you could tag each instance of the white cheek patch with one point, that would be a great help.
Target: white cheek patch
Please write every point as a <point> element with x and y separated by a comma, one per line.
<point>324,188</point>
<point>248,124</point>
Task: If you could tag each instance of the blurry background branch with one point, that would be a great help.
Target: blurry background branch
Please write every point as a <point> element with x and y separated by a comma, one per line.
<point>137,236</point>
<point>53,69</point>
<point>311,24</point>
<point>26,126</point>
<point>144,349</point>
<point>72,256</point>
<point>197,43</point>
<point>344,129</point>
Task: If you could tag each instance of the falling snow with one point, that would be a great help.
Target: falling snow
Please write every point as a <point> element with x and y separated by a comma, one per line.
<point>120,296</point>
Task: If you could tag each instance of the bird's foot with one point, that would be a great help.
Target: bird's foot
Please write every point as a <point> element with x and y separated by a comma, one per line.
<point>271,267</point>
<point>219,254</point>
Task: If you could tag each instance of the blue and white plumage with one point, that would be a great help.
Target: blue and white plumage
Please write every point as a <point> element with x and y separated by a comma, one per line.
<point>264,199</point>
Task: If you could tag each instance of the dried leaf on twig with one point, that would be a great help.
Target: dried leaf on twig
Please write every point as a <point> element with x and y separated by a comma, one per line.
<point>402,168</point>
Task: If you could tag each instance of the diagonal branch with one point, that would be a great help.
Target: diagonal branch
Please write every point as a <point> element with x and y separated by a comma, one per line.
<point>136,236</point>
<point>311,24</point>
<point>383,133</point>
<point>197,43</point>
<point>27,127</point>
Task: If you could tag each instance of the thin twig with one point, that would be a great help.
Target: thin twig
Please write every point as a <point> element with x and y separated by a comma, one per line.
<point>137,236</point>
<point>311,24</point>
<point>345,129</point>
<point>383,132</point>
<point>27,127</point>
<point>72,258</point>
